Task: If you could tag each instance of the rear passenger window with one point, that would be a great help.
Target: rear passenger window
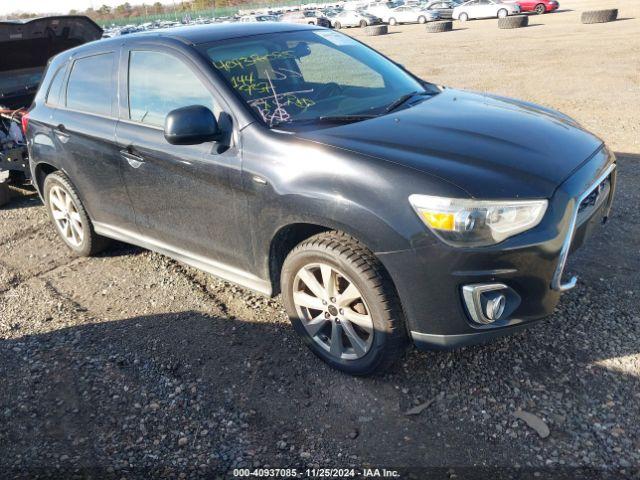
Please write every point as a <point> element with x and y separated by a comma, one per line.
<point>90,87</point>
<point>53,95</point>
<point>160,83</point>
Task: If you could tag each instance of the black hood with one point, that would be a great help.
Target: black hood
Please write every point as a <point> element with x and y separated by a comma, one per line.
<point>27,46</point>
<point>474,141</point>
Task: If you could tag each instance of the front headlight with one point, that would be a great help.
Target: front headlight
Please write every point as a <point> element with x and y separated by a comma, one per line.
<point>474,223</point>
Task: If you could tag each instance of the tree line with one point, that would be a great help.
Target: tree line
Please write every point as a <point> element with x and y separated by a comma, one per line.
<point>126,10</point>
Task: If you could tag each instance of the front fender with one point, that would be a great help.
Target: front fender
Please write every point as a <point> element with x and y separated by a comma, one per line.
<point>303,182</point>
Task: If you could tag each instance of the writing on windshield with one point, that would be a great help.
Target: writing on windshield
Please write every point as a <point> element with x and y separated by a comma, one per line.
<point>302,76</point>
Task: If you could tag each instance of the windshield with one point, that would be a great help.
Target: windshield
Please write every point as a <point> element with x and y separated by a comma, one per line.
<point>302,76</point>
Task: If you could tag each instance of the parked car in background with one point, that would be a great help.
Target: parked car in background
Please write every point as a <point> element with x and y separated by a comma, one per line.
<point>354,18</point>
<point>380,9</point>
<point>295,160</point>
<point>484,9</point>
<point>410,15</point>
<point>302,17</point>
<point>315,17</point>
<point>258,18</point>
<point>444,8</point>
<point>538,6</point>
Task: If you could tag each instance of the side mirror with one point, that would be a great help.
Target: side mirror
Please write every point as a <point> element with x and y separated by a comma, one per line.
<point>302,50</point>
<point>191,126</point>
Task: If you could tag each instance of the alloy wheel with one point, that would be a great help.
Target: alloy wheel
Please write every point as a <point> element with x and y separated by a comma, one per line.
<point>333,311</point>
<point>66,216</point>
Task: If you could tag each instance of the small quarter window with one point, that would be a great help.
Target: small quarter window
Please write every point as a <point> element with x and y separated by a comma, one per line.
<point>91,86</point>
<point>55,88</point>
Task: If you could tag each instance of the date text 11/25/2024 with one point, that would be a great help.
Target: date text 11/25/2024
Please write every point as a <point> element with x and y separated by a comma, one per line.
<point>316,473</point>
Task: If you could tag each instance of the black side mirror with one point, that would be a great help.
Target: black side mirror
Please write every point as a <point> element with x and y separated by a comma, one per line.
<point>302,50</point>
<point>191,126</point>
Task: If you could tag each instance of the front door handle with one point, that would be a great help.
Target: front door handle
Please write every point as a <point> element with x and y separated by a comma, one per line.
<point>134,160</point>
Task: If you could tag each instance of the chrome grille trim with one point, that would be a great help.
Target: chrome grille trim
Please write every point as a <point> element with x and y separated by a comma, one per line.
<point>556,280</point>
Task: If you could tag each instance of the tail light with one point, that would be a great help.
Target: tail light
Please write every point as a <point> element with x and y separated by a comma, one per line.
<point>25,123</point>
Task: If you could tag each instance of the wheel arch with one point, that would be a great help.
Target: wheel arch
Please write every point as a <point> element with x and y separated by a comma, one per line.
<point>288,236</point>
<point>41,171</point>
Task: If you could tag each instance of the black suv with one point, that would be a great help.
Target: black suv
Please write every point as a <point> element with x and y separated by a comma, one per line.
<point>293,159</point>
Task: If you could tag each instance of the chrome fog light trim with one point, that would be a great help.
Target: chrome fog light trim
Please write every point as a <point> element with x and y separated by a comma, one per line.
<point>488,309</point>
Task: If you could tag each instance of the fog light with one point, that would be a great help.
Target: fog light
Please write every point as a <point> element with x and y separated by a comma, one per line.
<point>489,302</point>
<point>493,304</point>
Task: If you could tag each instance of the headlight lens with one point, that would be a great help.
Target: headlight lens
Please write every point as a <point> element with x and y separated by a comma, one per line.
<point>474,223</point>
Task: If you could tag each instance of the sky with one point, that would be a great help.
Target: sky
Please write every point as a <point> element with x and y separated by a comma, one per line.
<point>61,6</point>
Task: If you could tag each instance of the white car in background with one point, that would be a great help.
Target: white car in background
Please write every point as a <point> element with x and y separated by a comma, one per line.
<point>484,9</point>
<point>410,15</point>
<point>353,18</point>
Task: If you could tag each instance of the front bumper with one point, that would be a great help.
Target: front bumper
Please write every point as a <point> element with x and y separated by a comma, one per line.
<point>430,279</point>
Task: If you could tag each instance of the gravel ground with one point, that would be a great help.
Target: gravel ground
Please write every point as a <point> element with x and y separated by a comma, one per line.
<point>132,365</point>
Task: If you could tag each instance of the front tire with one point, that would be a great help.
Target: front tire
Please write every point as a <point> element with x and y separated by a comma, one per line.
<point>363,23</point>
<point>463,17</point>
<point>343,304</point>
<point>502,13</point>
<point>422,19</point>
<point>70,217</point>
<point>336,25</point>
<point>392,22</point>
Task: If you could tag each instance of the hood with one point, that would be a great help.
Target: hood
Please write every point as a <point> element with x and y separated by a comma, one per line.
<point>27,47</point>
<point>492,147</point>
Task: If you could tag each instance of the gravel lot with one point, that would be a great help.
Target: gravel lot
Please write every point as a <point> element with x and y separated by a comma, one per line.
<point>132,365</point>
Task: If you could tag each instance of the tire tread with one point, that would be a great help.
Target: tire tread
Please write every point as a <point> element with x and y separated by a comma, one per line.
<point>378,281</point>
<point>599,16</point>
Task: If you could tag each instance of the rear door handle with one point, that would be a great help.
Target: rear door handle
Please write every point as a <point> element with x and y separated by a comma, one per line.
<point>134,160</point>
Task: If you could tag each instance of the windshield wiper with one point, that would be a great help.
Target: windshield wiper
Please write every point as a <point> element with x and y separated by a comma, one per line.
<point>344,118</point>
<point>325,119</point>
<point>407,96</point>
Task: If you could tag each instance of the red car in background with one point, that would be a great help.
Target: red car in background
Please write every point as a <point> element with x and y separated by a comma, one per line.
<point>538,6</point>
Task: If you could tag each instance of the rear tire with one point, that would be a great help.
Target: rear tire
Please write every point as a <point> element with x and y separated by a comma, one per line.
<point>337,25</point>
<point>70,217</point>
<point>343,304</point>
<point>363,23</point>
<point>540,9</point>
<point>502,13</point>
<point>422,19</point>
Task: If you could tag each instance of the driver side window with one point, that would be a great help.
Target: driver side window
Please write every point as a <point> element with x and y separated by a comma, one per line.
<point>160,83</point>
